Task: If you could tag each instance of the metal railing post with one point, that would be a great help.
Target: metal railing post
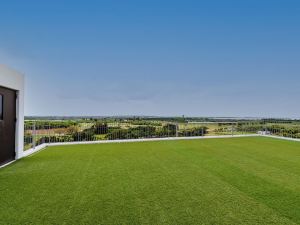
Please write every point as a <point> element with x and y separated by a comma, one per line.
<point>34,136</point>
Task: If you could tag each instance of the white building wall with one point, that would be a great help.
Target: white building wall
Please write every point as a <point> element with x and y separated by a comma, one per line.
<point>14,80</point>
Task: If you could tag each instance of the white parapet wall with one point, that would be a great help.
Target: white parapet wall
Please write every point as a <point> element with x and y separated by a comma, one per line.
<point>283,138</point>
<point>45,145</point>
<point>14,80</point>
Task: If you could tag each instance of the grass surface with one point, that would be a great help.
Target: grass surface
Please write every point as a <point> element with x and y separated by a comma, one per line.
<point>213,181</point>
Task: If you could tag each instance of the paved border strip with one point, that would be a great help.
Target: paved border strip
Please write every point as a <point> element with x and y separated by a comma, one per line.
<point>8,163</point>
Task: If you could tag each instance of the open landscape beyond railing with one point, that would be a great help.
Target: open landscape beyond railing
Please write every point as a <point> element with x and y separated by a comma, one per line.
<point>38,132</point>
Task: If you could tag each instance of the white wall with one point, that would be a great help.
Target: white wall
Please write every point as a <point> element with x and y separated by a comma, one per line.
<point>12,79</point>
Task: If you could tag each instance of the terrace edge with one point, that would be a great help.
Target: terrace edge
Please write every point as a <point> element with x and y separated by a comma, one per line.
<point>41,147</point>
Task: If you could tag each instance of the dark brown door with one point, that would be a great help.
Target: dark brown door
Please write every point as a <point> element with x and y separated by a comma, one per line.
<point>7,125</point>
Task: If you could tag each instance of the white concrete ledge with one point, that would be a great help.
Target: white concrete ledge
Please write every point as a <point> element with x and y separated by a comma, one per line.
<point>149,139</point>
<point>282,138</point>
<point>34,150</point>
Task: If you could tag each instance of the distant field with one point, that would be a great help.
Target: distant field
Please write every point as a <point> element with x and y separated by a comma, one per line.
<point>211,181</point>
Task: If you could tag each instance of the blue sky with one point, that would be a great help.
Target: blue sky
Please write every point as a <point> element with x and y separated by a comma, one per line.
<point>197,58</point>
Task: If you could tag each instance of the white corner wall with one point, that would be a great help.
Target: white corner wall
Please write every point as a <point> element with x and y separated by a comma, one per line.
<point>10,78</point>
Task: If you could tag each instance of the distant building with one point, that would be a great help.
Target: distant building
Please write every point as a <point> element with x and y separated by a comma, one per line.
<point>263,132</point>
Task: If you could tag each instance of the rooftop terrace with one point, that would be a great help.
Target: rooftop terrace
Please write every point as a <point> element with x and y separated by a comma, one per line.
<point>254,180</point>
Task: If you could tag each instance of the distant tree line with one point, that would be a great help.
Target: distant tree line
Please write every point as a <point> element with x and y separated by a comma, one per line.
<point>46,124</point>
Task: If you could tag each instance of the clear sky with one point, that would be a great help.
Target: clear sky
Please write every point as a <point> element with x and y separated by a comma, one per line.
<point>197,58</point>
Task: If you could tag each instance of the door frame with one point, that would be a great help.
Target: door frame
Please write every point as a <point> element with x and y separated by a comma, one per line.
<point>14,80</point>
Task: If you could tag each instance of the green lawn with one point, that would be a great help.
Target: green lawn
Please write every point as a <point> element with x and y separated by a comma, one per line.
<point>211,181</point>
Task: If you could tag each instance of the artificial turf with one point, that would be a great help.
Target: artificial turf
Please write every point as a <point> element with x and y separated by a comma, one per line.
<point>213,181</point>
